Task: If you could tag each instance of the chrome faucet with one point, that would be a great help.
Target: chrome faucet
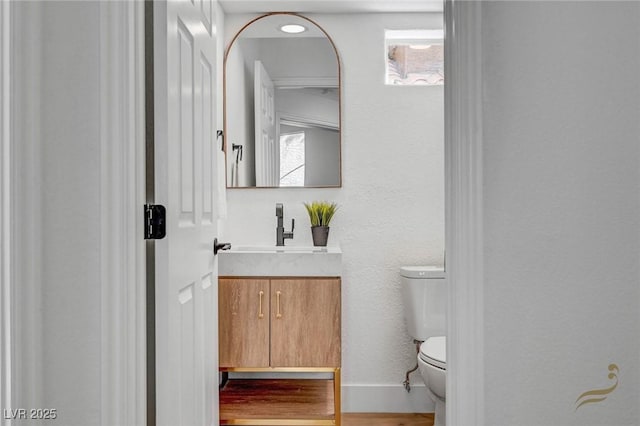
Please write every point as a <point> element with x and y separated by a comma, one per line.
<point>280,234</point>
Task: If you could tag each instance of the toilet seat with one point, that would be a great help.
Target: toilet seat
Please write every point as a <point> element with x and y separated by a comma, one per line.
<point>434,351</point>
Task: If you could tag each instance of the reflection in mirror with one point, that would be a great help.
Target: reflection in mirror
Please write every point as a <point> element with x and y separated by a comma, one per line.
<point>282,106</point>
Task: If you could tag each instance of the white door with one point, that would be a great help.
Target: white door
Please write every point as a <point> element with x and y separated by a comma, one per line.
<point>267,146</point>
<point>185,178</point>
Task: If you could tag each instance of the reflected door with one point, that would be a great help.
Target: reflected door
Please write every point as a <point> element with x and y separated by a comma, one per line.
<point>267,147</point>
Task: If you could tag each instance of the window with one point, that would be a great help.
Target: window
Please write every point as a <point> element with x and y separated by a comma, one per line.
<point>414,57</point>
<point>292,159</point>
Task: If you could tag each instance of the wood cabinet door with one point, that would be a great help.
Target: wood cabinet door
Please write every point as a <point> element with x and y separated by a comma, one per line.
<point>243,326</point>
<point>305,322</point>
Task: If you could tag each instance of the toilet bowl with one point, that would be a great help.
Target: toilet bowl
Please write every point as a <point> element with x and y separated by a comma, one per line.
<point>432,363</point>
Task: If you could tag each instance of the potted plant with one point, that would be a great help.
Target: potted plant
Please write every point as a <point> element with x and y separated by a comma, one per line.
<point>320,215</point>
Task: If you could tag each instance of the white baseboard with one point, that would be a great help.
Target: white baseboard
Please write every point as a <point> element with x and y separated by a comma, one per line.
<point>385,399</point>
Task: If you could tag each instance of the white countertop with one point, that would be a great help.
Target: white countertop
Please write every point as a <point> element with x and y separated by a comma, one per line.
<point>300,261</point>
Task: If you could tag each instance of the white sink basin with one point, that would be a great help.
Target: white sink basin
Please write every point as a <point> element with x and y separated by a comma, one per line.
<point>292,261</point>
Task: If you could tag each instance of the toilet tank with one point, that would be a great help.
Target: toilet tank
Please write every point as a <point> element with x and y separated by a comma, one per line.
<point>424,295</point>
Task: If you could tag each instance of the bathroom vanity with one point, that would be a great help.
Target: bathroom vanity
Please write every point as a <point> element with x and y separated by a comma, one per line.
<point>280,312</point>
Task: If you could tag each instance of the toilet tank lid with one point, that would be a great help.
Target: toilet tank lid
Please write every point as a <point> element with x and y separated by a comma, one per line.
<point>422,271</point>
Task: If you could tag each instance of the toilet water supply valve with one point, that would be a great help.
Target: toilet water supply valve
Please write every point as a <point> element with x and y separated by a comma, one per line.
<point>407,381</point>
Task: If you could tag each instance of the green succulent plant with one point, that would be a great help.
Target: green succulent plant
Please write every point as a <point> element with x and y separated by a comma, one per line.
<point>321,212</point>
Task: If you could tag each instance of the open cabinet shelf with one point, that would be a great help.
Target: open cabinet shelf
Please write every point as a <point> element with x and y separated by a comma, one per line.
<point>278,402</point>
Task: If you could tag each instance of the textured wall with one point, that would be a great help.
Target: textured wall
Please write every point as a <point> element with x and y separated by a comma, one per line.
<point>562,211</point>
<point>392,199</point>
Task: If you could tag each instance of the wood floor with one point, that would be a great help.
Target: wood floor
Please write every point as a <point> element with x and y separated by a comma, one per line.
<point>381,419</point>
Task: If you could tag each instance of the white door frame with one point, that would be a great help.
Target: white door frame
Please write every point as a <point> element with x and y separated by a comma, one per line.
<point>123,275</point>
<point>24,146</point>
<point>5,210</point>
<point>463,217</point>
<point>123,330</point>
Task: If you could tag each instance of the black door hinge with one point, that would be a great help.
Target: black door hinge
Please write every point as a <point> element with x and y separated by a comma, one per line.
<point>154,222</point>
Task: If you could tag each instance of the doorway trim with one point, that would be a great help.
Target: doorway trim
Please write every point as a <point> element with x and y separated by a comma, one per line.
<point>6,259</point>
<point>122,247</point>
<point>121,273</point>
<point>464,212</point>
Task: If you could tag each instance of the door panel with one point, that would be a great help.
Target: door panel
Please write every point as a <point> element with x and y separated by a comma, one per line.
<point>185,117</point>
<point>305,322</point>
<point>185,179</point>
<point>208,158</point>
<point>244,322</point>
<point>206,7</point>
<point>267,148</point>
<point>187,348</point>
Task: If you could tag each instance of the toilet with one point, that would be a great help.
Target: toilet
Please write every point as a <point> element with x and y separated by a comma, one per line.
<point>424,294</point>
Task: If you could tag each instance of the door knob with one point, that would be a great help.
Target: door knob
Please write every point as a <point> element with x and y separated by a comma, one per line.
<point>219,246</point>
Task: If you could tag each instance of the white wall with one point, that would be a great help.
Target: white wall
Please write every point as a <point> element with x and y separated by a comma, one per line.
<point>562,210</point>
<point>59,119</point>
<point>322,151</point>
<point>392,206</point>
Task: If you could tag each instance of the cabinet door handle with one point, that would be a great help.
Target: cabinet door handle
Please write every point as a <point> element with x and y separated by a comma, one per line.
<point>278,314</point>
<point>260,313</point>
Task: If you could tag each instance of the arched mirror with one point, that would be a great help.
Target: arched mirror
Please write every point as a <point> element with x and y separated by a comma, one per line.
<point>282,105</point>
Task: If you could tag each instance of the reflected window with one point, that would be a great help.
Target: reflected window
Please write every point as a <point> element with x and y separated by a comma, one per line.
<point>414,57</point>
<point>292,159</point>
